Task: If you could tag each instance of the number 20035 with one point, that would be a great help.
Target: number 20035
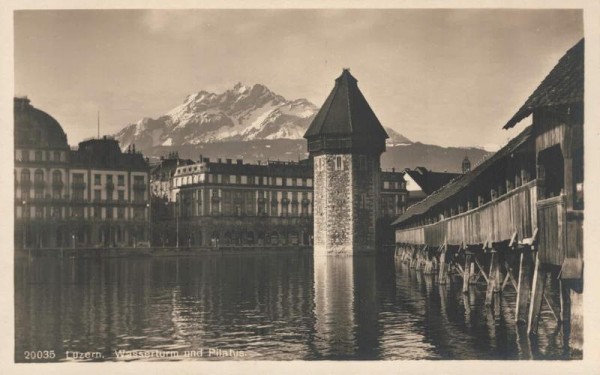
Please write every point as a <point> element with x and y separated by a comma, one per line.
<point>39,354</point>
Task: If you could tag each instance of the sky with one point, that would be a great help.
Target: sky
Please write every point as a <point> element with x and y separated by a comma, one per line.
<point>445,77</point>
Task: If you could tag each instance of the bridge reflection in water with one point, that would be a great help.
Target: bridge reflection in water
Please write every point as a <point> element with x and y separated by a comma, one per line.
<point>271,306</point>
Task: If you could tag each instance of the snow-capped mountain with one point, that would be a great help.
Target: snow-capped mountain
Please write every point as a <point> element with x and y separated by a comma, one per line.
<point>243,113</point>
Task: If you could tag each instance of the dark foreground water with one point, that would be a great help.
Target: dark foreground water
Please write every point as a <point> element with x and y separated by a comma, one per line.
<point>276,306</point>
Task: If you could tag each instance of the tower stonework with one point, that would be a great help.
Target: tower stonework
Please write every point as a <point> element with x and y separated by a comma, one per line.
<point>345,141</point>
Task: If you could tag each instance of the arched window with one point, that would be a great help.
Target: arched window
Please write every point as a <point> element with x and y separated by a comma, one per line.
<point>39,175</point>
<point>56,176</point>
<point>25,175</point>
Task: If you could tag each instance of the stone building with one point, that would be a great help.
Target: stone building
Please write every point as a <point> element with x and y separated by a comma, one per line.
<point>345,142</point>
<point>226,203</point>
<point>161,175</point>
<point>91,196</point>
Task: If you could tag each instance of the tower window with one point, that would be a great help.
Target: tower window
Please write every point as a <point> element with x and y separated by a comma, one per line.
<point>338,163</point>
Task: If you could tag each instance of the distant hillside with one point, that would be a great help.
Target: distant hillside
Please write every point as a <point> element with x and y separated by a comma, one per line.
<point>407,156</point>
<point>432,157</point>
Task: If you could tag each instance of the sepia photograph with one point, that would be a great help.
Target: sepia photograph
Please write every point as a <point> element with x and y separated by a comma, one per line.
<point>298,184</point>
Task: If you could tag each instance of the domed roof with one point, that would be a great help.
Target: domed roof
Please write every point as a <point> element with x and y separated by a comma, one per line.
<point>37,129</point>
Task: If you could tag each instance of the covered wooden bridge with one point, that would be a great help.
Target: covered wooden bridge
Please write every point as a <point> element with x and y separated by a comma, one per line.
<point>516,219</point>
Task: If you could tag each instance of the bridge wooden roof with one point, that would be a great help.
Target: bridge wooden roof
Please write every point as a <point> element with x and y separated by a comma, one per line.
<point>563,85</point>
<point>454,187</point>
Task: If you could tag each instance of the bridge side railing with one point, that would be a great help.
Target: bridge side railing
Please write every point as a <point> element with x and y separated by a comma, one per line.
<point>496,221</point>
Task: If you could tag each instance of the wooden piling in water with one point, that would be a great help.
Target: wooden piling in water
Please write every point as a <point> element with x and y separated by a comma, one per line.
<point>443,274</point>
<point>473,277</point>
<point>537,294</point>
<point>491,286</point>
<point>467,273</point>
<point>523,286</point>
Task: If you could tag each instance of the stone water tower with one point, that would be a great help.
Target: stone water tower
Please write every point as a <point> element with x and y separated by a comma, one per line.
<point>345,141</point>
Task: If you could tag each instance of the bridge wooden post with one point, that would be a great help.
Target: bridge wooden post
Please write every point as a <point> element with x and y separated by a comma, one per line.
<point>467,271</point>
<point>492,278</point>
<point>523,286</point>
<point>443,275</point>
<point>473,278</point>
<point>537,297</point>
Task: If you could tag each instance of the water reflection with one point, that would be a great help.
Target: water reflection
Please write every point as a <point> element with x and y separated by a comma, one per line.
<point>268,306</point>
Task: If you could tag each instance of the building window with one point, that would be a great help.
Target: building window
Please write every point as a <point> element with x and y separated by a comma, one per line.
<point>97,179</point>
<point>77,212</point>
<point>121,180</point>
<point>78,178</point>
<point>56,155</point>
<point>26,212</point>
<point>109,212</point>
<point>77,194</point>
<point>121,212</point>
<point>97,194</point>
<point>362,162</point>
<point>25,175</point>
<point>121,194</point>
<point>56,177</point>
<point>138,196</point>
<point>338,163</point>
<point>309,182</point>
<point>39,176</point>
<point>138,213</point>
<point>386,184</point>
<point>56,212</point>
<point>25,155</point>
<point>39,212</point>
<point>279,181</point>
<point>39,193</point>
<point>38,156</point>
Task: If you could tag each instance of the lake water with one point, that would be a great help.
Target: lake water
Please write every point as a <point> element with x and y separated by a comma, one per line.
<point>269,306</point>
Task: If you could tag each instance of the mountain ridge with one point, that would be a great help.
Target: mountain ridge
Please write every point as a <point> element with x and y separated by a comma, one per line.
<point>254,123</point>
<point>242,113</point>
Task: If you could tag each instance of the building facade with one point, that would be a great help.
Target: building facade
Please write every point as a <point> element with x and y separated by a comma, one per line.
<point>345,142</point>
<point>226,203</point>
<point>161,175</point>
<point>91,196</point>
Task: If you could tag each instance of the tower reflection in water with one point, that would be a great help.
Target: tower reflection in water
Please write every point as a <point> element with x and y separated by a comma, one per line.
<point>346,307</point>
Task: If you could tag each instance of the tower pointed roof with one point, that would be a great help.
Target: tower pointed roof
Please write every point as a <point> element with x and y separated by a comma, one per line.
<point>346,113</point>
